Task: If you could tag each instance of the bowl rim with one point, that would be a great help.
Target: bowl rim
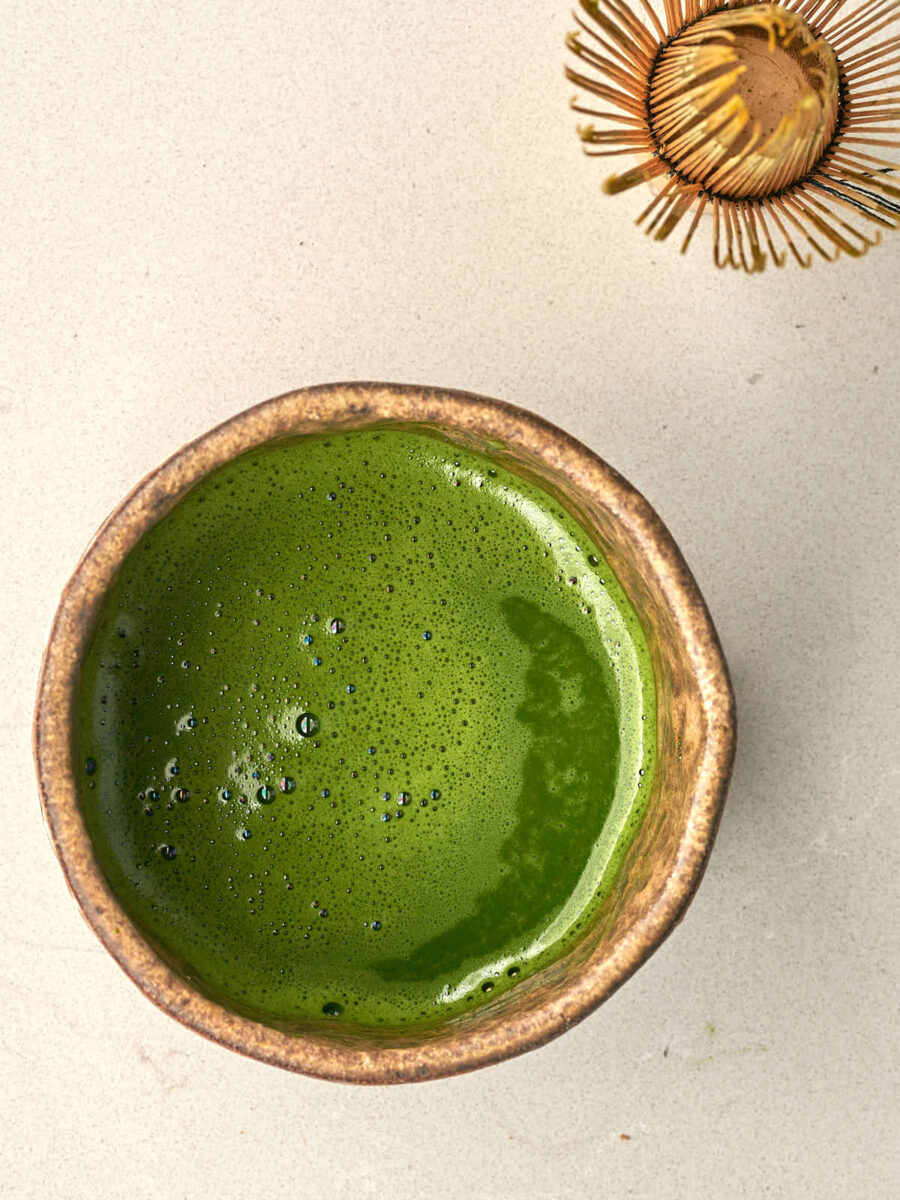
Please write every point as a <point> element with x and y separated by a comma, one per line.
<point>354,404</point>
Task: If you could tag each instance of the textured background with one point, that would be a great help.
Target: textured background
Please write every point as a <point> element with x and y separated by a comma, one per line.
<point>206,204</point>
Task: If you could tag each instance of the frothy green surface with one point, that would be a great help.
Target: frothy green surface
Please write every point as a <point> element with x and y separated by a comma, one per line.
<point>364,730</point>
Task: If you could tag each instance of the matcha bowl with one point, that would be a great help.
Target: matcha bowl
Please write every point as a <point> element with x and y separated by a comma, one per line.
<point>530,613</point>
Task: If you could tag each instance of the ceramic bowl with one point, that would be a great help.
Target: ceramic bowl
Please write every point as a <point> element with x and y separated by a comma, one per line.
<point>696,736</point>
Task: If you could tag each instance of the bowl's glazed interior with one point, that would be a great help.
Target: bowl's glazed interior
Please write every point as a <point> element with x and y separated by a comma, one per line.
<point>695,739</point>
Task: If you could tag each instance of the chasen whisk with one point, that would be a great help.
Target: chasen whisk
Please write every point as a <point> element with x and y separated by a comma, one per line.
<point>773,118</point>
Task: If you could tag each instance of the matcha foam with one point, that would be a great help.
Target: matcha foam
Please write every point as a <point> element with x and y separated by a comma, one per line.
<point>365,728</point>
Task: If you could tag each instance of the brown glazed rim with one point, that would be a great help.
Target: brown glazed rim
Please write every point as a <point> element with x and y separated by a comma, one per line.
<point>467,1044</point>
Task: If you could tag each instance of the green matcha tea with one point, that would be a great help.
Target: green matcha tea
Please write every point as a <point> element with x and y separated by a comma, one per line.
<point>364,731</point>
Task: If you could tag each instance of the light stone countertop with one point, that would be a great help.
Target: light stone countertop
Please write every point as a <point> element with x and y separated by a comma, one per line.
<point>208,204</point>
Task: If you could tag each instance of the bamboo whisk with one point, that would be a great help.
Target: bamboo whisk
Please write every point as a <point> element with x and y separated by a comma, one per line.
<point>765,114</point>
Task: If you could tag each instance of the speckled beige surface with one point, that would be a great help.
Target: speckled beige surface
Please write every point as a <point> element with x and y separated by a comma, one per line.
<point>204,207</point>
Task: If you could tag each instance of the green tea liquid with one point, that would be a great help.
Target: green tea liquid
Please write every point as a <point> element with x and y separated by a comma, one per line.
<point>365,728</point>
